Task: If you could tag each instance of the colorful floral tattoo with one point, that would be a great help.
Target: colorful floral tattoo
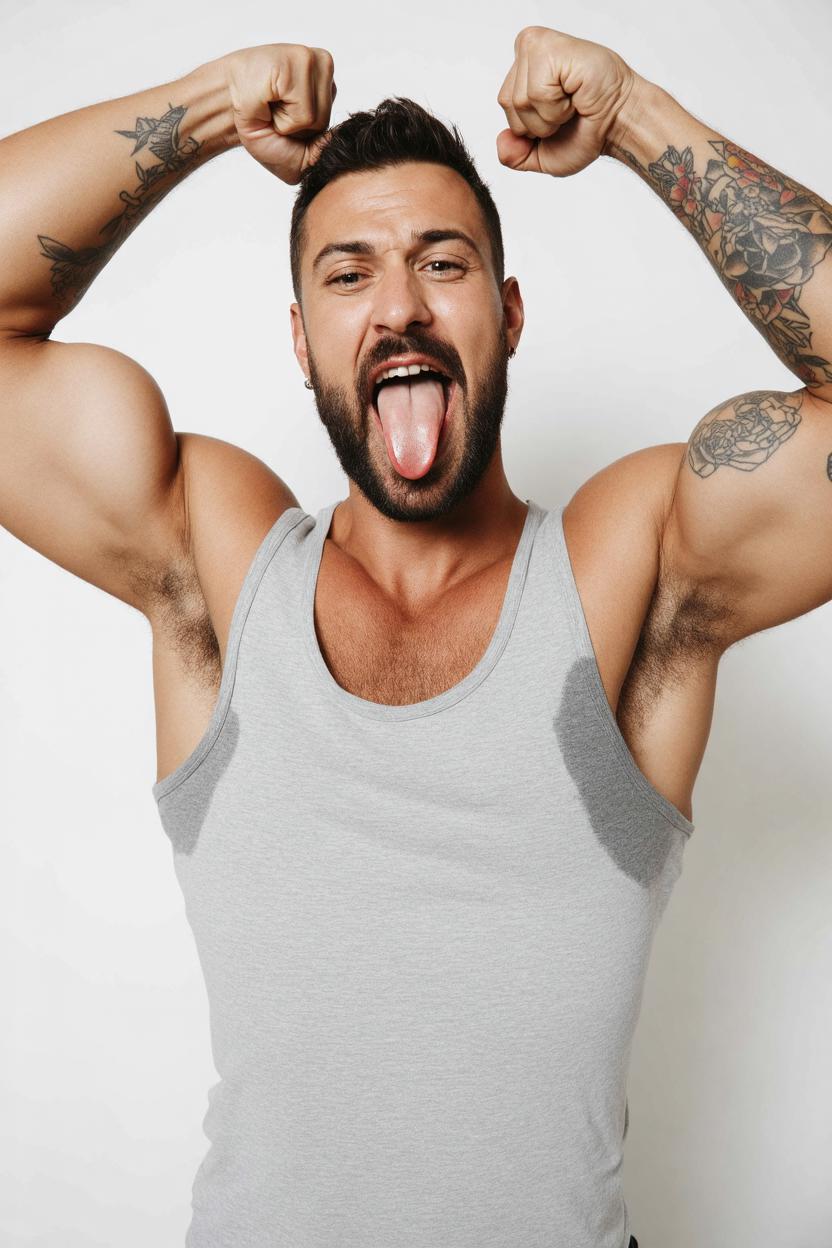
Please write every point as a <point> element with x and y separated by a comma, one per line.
<point>764,234</point>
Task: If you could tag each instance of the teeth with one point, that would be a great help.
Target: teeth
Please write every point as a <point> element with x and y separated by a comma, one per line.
<point>404,370</point>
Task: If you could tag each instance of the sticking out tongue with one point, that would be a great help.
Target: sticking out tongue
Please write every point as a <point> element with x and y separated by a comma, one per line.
<point>411,415</point>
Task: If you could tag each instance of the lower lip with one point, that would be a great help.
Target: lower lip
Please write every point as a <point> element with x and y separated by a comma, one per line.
<point>445,420</point>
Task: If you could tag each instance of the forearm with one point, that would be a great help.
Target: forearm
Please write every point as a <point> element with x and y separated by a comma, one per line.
<point>75,186</point>
<point>765,235</point>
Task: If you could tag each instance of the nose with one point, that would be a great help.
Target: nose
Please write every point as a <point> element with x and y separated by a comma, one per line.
<point>399,300</point>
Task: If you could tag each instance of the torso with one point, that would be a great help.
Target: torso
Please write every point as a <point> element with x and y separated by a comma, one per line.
<point>658,676</point>
<point>378,652</point>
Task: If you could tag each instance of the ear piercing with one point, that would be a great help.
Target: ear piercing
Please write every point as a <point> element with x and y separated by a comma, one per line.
<point>308,384</point>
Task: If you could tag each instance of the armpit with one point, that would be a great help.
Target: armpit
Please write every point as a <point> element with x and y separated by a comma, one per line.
<point>687,627</point>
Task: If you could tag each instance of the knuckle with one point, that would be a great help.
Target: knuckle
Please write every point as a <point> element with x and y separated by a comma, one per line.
<point>302,56</point>
<point>527,33</point>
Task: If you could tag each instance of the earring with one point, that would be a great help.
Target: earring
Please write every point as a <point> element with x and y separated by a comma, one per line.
<point>512,352</point>
<point>308,384</point>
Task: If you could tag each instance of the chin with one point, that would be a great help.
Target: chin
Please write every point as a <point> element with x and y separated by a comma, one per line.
<point>430,497</point>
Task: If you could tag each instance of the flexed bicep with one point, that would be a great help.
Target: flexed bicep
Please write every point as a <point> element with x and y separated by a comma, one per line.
<point>752,510</point>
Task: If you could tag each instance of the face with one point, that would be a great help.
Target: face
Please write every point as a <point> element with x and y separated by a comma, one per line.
<point>396,270</point>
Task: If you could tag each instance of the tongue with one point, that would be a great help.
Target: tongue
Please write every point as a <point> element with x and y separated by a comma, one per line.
<point>411,414</point>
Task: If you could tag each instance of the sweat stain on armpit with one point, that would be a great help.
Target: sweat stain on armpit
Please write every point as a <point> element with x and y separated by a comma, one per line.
<point>635,835</point>
<point>183,810</point>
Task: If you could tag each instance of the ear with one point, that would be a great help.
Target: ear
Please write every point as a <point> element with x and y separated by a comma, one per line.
<point>299,338</point>
<point>513,313</point>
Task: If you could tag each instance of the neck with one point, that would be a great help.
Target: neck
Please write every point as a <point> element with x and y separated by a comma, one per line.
<point>419,560</point>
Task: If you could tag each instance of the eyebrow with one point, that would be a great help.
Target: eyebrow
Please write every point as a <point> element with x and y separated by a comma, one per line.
<point>359,247</point>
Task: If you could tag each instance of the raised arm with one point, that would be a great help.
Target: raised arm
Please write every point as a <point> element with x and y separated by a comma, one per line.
<point>750,519</point>
<point>91,471</point>
<point>765,235</point>
<point>752,511</point>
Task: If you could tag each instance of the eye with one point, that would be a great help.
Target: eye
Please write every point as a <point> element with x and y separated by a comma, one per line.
<point>452,264</point>
<point>339,279</point>
<point>352,276</point>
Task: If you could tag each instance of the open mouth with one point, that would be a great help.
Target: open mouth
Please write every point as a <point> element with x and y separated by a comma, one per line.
<point>411,405</point>
<point>404,376</point>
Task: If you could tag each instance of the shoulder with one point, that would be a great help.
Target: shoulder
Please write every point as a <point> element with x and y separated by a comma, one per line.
<point>614,527</point>
<point>621,512</point>
<point>229,499</point>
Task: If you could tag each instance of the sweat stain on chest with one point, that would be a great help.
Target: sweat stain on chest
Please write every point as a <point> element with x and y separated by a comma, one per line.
<point>636,837</point>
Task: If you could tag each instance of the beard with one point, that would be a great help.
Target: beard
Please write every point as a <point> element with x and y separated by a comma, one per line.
<point>346,418</point>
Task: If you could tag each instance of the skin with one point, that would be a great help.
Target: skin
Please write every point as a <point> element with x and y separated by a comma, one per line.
<point>398,291</point>
<point>676,555</point>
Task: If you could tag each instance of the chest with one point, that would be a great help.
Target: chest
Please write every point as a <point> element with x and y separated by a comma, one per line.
<point>383,652</point>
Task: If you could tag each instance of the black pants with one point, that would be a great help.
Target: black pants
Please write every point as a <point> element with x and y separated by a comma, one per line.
<point>633,1242</point>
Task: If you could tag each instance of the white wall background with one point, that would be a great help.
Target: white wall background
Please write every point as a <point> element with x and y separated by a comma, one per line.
<point>104,1051</point>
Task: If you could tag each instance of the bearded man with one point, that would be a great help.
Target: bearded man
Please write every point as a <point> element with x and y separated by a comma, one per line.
<point>425,757</point>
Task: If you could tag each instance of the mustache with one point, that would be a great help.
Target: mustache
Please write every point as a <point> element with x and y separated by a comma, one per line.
<point>437,348</point>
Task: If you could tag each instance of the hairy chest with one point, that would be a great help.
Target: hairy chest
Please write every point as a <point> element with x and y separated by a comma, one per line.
<point>382,653</point>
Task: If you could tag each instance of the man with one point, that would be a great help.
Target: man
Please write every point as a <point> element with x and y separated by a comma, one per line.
<point>426,759</point>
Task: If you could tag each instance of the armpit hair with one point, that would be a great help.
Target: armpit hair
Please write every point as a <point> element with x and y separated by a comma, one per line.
<point>685,626</point>
<point>178,612</point>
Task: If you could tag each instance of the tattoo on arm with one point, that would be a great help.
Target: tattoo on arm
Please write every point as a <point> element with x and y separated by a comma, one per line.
<point>744,432</point>
<point>73,271</point>
<point>764,234</point>
<point>829,467</point>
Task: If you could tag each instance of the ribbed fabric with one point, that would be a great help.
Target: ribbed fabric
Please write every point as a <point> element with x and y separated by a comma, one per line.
<point>424,929</point>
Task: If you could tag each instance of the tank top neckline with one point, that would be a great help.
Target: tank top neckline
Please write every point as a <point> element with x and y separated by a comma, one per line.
<point>449,697</point>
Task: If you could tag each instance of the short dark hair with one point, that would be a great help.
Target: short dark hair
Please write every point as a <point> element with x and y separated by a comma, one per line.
<point>397,131</point>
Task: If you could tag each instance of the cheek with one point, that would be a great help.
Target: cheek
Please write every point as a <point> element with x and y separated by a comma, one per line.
<point>335,353</point>
<point>478,348</point>
<point>471,320</point>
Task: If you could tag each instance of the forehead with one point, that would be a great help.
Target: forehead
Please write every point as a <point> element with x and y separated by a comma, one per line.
<point>387,205</point>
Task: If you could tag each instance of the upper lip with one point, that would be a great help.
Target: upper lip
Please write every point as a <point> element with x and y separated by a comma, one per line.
<point>399,361</point>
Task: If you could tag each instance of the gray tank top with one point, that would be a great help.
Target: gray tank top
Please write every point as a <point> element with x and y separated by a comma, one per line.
<point>424,929</point>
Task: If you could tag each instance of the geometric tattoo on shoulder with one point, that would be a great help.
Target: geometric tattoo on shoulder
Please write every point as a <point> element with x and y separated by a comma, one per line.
<point>73,271</point>
<point>763,233</point>
<point>744,432</point>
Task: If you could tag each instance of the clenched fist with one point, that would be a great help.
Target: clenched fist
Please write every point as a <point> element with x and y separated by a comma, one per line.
<point>561,98</point>
<point>281,95</point>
